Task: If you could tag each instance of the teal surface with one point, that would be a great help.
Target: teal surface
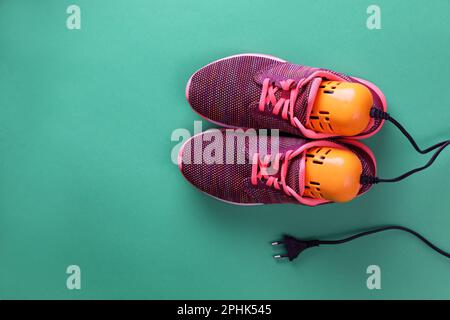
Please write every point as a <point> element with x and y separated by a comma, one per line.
<point>86,177</point>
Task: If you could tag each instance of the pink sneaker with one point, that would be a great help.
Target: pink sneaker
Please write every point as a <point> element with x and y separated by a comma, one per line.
<point>237,167</point>
<point>261,91</point>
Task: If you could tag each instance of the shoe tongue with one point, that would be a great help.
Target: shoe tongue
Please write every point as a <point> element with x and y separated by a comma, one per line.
<point>306,98</point>
<point>295,174</point>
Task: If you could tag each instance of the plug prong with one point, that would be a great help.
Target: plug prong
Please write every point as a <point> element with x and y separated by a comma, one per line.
<point>277,243</point>
<point>280,256</point>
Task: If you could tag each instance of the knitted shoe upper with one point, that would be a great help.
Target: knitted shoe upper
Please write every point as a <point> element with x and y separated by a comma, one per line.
<point>228,92</point>
<point>219,163</point>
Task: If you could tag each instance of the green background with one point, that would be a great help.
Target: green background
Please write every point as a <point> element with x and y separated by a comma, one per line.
<point>86,118</point>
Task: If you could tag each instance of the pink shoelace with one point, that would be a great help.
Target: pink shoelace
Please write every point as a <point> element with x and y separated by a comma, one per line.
<point>285,105</point>
<point>261,167</point>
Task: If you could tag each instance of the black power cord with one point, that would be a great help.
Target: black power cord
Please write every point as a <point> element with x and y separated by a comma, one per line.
<point>379,114</point>
<point>296,246</point>
<point>373,180</point>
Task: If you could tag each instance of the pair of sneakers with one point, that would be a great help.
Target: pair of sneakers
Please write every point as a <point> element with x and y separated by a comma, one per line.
<point>320,114</point>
